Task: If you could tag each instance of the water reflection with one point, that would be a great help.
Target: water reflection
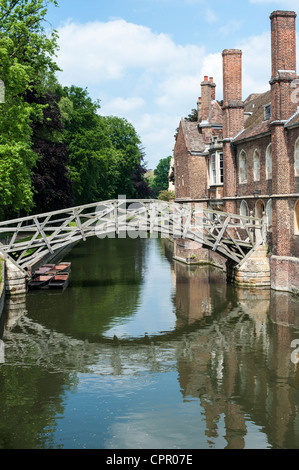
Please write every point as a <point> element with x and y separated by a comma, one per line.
<point>210,368</point>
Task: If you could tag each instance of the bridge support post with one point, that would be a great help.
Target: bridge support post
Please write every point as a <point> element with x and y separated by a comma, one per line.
<point>254,272</point>
<point>15,279</point>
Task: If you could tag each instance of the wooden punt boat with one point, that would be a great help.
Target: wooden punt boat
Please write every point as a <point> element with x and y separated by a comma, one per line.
<point>63,266</point>
<point>43,269</point>
<point>59,280</point>
<point>40,282</point>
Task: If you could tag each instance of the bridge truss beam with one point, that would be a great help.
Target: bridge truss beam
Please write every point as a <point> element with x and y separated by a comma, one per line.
<point>27,240</point>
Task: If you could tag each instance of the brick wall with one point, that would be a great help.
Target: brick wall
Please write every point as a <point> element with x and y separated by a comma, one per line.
<point>181,167</point>
<point>263,185</point>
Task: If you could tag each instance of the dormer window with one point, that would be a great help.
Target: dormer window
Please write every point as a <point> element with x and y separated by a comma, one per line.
<point>267,112</point>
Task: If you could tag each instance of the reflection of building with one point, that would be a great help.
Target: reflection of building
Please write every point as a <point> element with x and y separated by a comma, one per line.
<point>243,156</point>
<point>240,367</point>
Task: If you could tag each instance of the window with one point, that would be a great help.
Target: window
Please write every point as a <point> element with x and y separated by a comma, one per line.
<point>269,162</point>
<point>242,167</point>
<point>213,174</point>
<point>296,157</point>
<point>296,217</point>
<point>221,167</point>
<point>244,208</point>
<point>267,112</point>
<point>216,168</point>
<point>256,166</point>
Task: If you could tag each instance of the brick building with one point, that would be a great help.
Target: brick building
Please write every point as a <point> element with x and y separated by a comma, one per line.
<point>243,156</point>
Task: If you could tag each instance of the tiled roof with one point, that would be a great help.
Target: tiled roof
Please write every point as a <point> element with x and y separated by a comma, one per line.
<point>194,139</point>
<point>294,120</point>
<point>255,124</point>
<point>216,116</point>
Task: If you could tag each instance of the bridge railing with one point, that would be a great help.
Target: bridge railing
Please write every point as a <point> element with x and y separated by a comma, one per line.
<point>29,238</point>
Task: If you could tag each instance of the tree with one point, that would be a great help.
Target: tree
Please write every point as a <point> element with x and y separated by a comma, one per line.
<point>160,180</point>
<point>26,54</point>
<point>142,190</point>
<point>51,178</point>
<point>126,142</point>
<point>93,160</point>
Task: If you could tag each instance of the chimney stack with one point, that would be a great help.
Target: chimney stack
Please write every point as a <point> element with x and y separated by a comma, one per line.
<point>207,96</point>
<point>283,53</point>
<point>213,89</point>
<point>232,93</point>
<point>199,109</point>
<point>233,118</point>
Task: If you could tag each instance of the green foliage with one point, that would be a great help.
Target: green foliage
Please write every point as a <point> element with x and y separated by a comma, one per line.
<point>166,195</point>
<point>26,54</point>
<point>159,182</point>
<point>51,134</point>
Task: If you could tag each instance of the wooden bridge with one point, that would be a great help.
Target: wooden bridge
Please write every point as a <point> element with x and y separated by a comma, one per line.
<point>27,240</point>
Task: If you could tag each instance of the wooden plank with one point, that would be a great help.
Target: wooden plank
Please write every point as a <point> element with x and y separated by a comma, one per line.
<point>221,233</point>
<point>43,235</point>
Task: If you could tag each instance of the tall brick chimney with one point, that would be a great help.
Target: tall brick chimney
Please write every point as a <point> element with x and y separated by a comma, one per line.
<point>213,89</point>
<point>232,92</point>
<point>207,96</point>
<point>233,117</point>
<point>283,52</point>
<point>199,109</point>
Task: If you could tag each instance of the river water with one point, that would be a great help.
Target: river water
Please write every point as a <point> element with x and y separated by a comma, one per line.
<point>142,352</point>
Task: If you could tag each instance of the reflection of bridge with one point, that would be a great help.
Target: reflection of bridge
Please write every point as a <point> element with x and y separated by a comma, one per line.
<point>27,240</point>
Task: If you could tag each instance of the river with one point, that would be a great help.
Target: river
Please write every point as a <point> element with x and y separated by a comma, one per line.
<point>142,352</point>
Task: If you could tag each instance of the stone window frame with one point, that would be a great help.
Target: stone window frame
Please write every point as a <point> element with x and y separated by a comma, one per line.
<point>243,177</point>
<point>296,158</point>
<point>243,206</point>
<point>256,157</point>
<point>268,162</point>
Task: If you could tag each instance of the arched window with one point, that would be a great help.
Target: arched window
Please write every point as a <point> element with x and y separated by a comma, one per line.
<point>244,208</point>
<point>259,209</point>
<point>269,162</point>
<point>256,165</point>
<point>269,215</point>
<point>296,218</point>
<point>242,167</point>
<point>259,212</point>
<point>296,157</point>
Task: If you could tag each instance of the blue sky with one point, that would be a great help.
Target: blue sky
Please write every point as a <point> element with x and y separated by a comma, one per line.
<point>145,59</point>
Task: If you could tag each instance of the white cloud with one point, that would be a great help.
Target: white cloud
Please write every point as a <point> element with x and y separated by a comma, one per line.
<point>231,27</point>
<point>124,105</point>
<point>210,16</point>
<point>149,79</point>
<point>142,76</point>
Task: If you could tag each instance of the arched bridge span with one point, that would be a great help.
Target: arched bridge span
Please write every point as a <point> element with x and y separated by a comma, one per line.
<point>27,240</point>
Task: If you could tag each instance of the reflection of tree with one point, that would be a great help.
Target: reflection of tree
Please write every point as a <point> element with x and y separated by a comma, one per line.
<point>231,352</point>
<point>105,283</point>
